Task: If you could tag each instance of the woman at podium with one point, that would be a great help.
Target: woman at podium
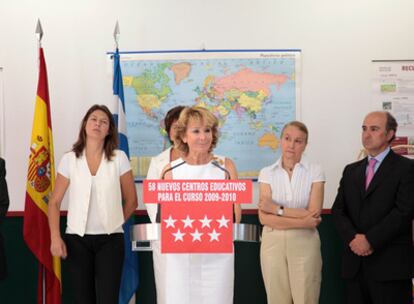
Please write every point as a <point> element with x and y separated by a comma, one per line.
<point>193,277</point>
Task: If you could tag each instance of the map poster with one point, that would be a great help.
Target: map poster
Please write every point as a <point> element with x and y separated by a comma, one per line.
<point>393,91</point>
<point>252,93</point>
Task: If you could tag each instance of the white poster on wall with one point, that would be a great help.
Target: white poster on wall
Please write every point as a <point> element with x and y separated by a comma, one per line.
<point>393,91</point>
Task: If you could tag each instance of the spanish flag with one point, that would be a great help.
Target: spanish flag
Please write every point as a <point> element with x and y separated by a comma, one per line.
<point>39,186</point>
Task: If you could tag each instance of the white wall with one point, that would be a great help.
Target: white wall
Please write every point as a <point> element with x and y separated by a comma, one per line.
<point>338,40</point>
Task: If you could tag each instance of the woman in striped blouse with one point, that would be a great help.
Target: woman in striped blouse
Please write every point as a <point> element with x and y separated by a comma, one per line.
<point>291,197</point>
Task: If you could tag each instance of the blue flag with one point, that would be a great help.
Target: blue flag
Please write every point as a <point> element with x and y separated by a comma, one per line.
<point>129,279</point>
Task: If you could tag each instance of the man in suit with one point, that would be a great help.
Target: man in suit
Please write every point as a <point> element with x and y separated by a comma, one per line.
<point>4,205</point>
<point>373,211</point>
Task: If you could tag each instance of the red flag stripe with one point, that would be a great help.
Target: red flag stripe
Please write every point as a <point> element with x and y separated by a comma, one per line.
<point>39,244</point>
<point>40,183</point>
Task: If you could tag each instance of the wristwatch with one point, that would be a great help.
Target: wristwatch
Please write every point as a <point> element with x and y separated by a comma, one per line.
<point>280,211</point>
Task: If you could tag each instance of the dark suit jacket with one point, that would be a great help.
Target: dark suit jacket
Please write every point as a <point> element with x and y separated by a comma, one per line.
<point>4,205</point>
<point>383,213</point>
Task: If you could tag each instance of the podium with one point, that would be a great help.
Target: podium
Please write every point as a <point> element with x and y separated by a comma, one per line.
<point>142,235</point>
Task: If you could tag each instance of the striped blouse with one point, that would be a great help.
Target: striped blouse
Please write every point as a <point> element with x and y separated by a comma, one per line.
<point>292,193</point>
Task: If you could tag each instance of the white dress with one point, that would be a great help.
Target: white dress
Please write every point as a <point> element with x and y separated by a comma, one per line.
<point>194,278</point>
<point>157,164</point>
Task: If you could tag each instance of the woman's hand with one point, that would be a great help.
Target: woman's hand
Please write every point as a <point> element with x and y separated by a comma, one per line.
<point>267,206</point>
<point>58,247</point>
<point>312,220</point>
<point>316,213</point>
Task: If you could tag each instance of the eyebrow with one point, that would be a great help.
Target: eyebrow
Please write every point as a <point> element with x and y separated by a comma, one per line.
<point>94,115</point>
<point>372,126</point>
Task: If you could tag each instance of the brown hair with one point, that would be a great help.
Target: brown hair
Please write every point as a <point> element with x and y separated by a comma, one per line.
<point>199,114</point>
<point>111,139</point>
<point>172,115</point>
<point>391,124</point>
<point>300,125</point>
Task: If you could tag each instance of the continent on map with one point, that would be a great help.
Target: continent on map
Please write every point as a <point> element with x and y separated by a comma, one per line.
<point>268,140</point>
<point>244,91</point>
<point>152,89</point>
<point>252,102</point>
<point>246,80</point>
<point>181,71</point>
<point>149,102</point>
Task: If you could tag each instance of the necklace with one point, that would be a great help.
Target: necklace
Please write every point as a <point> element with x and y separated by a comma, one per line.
<point>289,169</point>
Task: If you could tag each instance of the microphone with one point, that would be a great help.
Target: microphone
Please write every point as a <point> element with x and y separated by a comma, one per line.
<point>158,217</point>
<point>216,164</point>
<point>172,168</point>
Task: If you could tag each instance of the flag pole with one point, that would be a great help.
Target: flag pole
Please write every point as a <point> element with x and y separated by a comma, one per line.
<point>39,185</point>
<point>39,35</point>
<point>116,36</point>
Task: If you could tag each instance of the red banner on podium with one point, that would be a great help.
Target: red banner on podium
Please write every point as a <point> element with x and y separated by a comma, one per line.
<point>197,215</point>
<point>187,191</point>
<point>197,228</point>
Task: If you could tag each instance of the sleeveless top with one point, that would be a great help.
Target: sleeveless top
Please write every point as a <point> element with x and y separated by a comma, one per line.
<point>214,169</point>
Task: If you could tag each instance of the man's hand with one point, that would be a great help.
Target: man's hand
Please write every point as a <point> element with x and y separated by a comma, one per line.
<point>360,245</point>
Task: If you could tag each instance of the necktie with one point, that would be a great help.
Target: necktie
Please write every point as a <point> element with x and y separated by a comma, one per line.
<point>370,172</point>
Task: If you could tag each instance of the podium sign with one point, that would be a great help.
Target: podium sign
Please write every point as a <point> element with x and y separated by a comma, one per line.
<point>197,215</point>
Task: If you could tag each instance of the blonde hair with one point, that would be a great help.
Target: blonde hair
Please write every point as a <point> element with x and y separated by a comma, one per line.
<point>300,125</point>
<point>197,114</point>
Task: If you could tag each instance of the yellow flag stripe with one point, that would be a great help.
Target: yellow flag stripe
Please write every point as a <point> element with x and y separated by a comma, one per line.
<point>41,137</point>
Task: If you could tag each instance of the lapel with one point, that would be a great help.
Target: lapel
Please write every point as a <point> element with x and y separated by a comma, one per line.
<point>360,176</point>
<point>86,166</point>
<point>382,172</point>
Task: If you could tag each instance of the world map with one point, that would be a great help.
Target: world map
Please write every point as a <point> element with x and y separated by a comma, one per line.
<point>253,94</point>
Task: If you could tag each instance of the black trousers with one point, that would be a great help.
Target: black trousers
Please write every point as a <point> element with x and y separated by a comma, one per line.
<point>3,266</point>
<point>364,290</point>
<point>95,266</point>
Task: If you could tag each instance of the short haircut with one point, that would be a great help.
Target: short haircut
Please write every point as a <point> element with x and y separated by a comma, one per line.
<point>300,125</point>
<point>198,114</point>
<point>391,124</point>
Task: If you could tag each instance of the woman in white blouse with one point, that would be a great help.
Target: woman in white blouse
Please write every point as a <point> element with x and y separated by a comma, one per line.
<point>291,198</point>
<point>164,158</point>
<point>99,179</point>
